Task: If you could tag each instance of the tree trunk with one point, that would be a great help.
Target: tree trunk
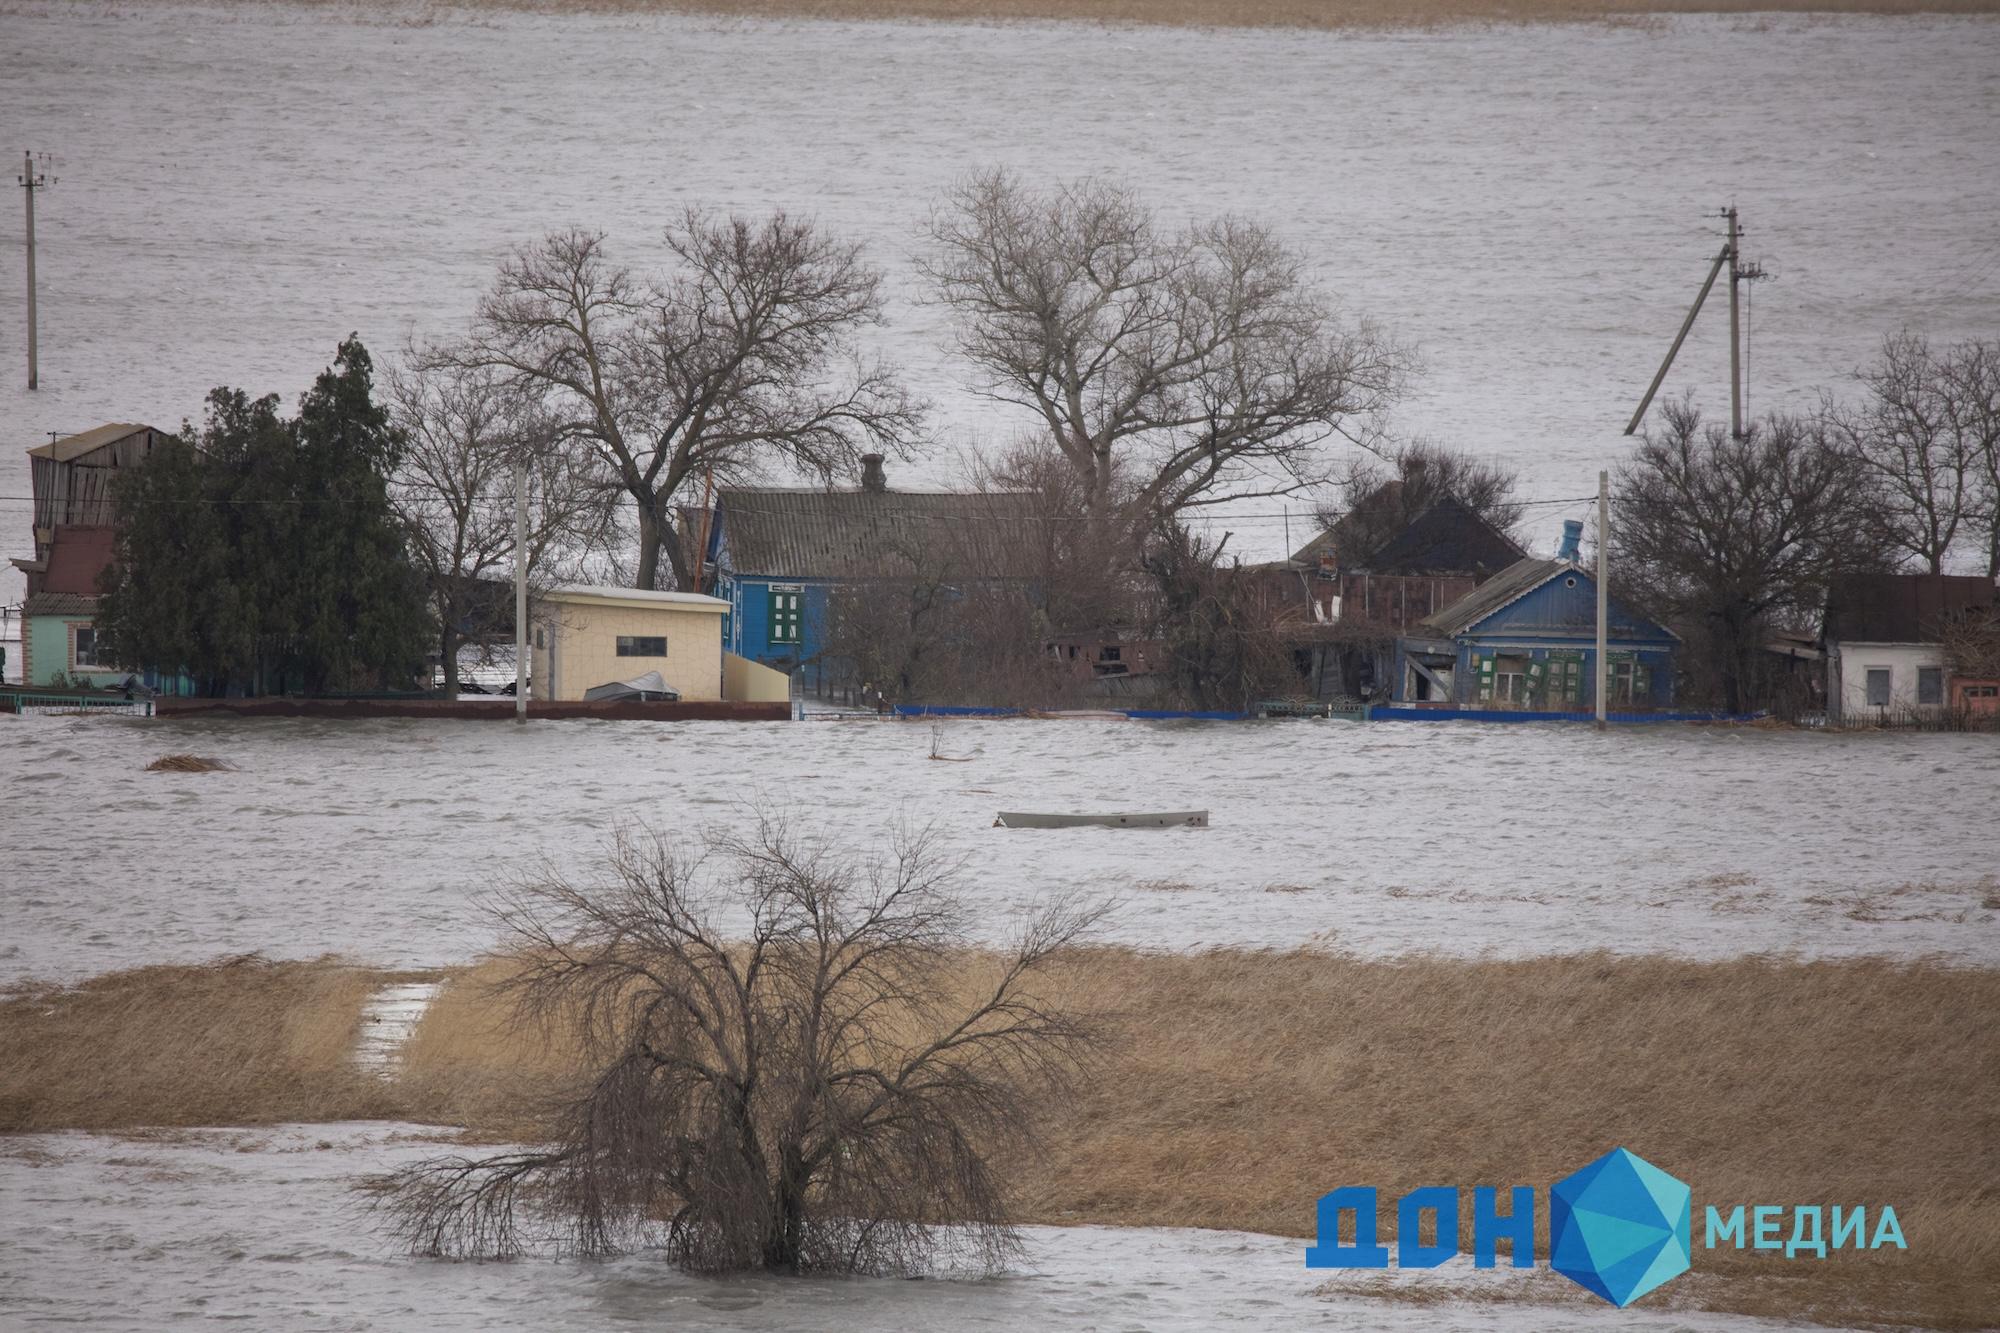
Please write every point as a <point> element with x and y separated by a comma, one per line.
<point>656,538</point>
<point>784,1244</point>
<point>448,658</point>
<point>649,548</point>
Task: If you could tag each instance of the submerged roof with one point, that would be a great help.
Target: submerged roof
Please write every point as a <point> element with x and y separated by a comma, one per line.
<point>1903,608</point>
<point>72,447</point>
<point>796,534</point>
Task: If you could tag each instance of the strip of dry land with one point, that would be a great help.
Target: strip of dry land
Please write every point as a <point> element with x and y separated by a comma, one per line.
<point>1240,1086</point>
<point>1323,14</point>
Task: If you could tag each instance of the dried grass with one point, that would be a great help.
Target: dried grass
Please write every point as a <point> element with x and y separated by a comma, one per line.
<point>1322,14</point>
<point>186,763</point>
<point>1243,1085</point>
<point>244,1041</point>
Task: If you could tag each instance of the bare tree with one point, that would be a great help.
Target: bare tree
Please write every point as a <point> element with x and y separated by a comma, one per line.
<point>1377,495</point>
<point>1171,368</point>
<point>825,1092</point>
<point>1223,647</point>
<point>1721,534</point>
<point>1929,430</point>
<point>454,489</point>
<point>742,355</point>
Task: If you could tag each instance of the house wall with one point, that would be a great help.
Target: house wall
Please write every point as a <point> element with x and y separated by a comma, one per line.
<point>1554,625</point>
<point>1847,685</point>
<point>46,651</point>
<point>576,648</point>
<point>748,633</point>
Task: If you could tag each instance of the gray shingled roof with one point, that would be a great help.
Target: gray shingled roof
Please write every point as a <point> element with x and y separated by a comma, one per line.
<point>1447,538</point>
<point>845,534</point>
<point>59,604</point>
<point>1516,581</point>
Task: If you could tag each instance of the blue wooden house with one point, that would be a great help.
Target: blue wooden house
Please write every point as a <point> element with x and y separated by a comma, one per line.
<point>777,554</point>
<point>1526,640</point>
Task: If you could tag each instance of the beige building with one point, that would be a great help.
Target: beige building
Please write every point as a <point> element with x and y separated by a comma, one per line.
<point>587,636</point>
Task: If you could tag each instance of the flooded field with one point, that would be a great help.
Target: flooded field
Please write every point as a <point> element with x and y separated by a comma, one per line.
<point>379,839</point>
<point>261,1229</point>
<point>1529,205</point>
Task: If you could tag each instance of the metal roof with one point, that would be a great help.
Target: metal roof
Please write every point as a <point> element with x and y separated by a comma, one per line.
<point>77,556</point>
<point>793,534</point>
<point>1502,590</point>
<point>72,447</point>
<point>1903,608</point>
<point>602,592</point>
<point>59,604</point>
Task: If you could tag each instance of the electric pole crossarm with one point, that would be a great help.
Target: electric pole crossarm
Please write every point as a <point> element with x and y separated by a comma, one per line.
<point>1713,273</point>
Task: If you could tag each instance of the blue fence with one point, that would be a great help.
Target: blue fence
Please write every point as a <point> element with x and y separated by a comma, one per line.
<point>1379,714</point>
<point>1372,714</point>
<point>1134,714</point>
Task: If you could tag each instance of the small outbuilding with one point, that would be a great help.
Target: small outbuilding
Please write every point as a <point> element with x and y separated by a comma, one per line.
<point>1911,647</point>
<point>586,635</point>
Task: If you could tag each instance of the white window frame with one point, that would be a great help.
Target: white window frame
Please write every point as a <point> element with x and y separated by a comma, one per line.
<point>76,662</point>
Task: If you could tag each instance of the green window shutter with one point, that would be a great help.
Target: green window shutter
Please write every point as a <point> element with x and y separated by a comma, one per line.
<point>786,614</point>
<point>1486,665</point>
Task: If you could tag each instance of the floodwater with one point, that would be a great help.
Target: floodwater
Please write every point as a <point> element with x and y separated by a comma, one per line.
<point>261,1229</point>
<point>380,839</point>
<point>1530,205</point>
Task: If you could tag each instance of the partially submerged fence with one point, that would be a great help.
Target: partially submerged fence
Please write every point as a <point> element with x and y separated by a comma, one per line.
<point>42,701</point>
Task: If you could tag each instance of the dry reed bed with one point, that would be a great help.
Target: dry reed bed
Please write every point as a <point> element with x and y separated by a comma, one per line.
<point>1320,14</point>
<point>1239,1086</point>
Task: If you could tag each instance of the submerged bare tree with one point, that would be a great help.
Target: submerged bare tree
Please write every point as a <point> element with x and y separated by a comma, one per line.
<point>1173,368</point>
<point>824,1091</point>
<point>741,355</point>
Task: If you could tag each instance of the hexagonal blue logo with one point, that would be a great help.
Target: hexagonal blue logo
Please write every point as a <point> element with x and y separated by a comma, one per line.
<point>1619,1227</point>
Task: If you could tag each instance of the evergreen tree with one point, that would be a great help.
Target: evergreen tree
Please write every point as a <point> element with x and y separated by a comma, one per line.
<point>262,553</point>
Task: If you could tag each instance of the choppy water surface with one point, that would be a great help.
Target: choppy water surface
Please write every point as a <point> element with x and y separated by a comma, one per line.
<point>260,1229</point>
<point>1528,204</point>
<point>377,839</point>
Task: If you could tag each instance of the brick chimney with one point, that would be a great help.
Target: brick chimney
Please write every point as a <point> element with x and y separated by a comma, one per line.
<point>872,477</point>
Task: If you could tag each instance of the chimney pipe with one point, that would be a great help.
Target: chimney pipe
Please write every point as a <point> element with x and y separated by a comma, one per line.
<point>872,477</point>
<point>1572,539</point>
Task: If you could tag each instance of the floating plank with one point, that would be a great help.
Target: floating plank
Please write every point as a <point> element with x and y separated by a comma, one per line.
<point>1164,819</point>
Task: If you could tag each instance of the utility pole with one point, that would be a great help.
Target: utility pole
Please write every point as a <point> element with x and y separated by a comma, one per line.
<point>33,177</point>
<point>521,592</point>
<point>1603,586</point>
<point>1739,273</point>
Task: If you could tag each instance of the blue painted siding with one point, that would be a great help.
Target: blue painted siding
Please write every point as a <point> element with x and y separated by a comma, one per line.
<point>1553,625</point>
<point>746,630</point>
